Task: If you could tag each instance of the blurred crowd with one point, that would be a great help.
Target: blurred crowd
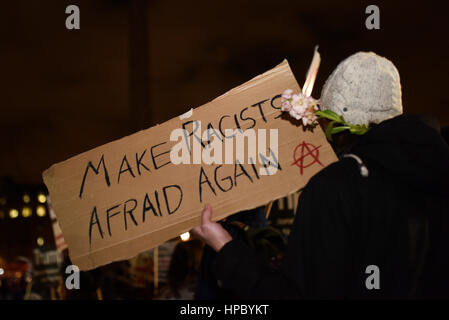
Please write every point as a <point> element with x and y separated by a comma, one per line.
<point>183,269</point>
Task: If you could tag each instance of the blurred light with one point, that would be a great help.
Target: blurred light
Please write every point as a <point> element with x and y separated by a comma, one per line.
<point>40,211</point>
<point>2,214</point>
<point>41,198</point>
<point>40,241</point>
<point>185,236</point>
<point>26,212</point>
<point>2,201</point>
<point>13,213</point>
<point>26,198</point>
<point>2,271</point>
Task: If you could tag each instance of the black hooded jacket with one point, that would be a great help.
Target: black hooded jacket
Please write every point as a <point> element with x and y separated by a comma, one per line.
<point>392,225</point>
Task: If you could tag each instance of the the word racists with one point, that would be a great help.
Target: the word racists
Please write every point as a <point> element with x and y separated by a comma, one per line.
<point>213,148</point>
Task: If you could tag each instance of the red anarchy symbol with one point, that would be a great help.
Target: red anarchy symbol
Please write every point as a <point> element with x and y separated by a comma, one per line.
<point>305,150</point>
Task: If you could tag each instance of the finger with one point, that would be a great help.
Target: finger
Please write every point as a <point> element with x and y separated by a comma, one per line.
<point>206,216</point>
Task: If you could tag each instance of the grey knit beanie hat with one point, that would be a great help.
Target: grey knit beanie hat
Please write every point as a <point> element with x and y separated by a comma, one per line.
<point>364,88</point>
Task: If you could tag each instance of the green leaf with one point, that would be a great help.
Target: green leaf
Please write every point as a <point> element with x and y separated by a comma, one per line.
<point>339,129</point>
<point>329,129</point>
<point>328,114</point>
<point>359,129</point>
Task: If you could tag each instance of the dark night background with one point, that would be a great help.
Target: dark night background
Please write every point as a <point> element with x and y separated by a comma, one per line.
<point>137,63</point>
<point>67,91</point>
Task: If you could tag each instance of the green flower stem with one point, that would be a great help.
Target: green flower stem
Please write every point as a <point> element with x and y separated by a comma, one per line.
<point>336,119</point>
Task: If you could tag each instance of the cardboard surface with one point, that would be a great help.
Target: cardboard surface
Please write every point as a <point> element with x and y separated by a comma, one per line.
<point>126,197</point>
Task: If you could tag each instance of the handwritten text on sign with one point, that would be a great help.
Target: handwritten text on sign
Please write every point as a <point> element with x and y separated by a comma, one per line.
<point>128,196</point>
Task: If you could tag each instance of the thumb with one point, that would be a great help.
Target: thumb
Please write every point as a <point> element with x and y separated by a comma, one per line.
<point>206,216</point>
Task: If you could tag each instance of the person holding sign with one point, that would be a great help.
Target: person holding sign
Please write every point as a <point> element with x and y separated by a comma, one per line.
<point>375,224</point>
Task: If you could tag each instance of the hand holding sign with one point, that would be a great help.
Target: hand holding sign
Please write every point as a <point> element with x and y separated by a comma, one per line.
<point>211,232</point>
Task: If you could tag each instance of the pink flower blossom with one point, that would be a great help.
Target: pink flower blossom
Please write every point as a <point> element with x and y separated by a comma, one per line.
<point>295,115</point>
<point>286,106</point>
<point>300,107</point>
<point>287,94</point>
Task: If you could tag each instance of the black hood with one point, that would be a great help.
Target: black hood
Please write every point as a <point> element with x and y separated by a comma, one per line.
<point>411,150</point>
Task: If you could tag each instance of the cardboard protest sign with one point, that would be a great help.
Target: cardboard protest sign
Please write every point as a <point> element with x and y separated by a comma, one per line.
<point>137,192</point>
